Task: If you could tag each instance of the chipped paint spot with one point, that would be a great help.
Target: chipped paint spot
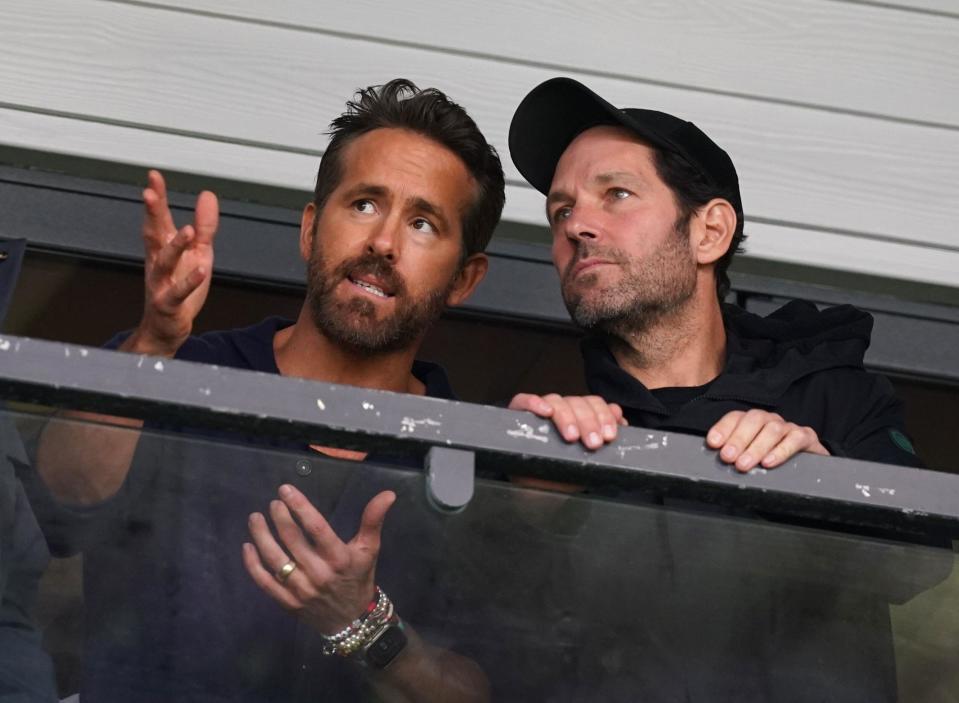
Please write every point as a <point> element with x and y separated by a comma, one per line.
<point>818,480</point>
<point>665,440</point>
<point>320,404</point>
<point>4,344</point>
<point>543,429</point>
<point>368,406</point>
<point>410,425</point>
<point>84,352</point>
<point>888,491</point>
<point>158,366</point>
<point>205,391</point>
<point>623,451</point>
<point>140,362</point>
<point>66,352</point>
<point>864,490</point>
<point>377,413</point>
<point>757,471</point>
<point>524,431</point>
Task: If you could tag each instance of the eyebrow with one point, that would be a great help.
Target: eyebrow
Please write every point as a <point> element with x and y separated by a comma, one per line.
<point>365,189</point>
<point>611,176</point>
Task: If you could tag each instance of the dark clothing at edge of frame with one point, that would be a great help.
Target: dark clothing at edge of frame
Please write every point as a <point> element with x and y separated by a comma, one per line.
<point>26,673</point>
<point>805,364</point>
<point>171,613</point>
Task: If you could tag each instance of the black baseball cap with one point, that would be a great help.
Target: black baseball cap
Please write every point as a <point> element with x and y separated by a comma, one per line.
<point>555,112</point>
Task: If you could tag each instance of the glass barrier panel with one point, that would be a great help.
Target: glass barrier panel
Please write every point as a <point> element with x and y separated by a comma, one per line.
<point>525,595</point>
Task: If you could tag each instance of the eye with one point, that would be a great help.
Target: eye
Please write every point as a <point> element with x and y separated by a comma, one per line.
<point>619,193</point>
<point>365,206</point>
<point>421,224</point>
<point>560,214</point>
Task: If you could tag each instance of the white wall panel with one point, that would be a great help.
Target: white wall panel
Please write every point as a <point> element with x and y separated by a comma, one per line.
<point>248,100</point>
<point>131,146</point>
<point>854,57</point>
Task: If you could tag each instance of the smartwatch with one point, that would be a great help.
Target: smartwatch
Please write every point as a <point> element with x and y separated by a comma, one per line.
<point>385,646</point>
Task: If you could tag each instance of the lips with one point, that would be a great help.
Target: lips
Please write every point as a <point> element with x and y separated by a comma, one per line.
<point>585,265</point>
<point>373,285</point>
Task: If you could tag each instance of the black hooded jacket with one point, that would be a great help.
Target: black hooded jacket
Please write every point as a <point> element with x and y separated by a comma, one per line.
<point>800,362</point>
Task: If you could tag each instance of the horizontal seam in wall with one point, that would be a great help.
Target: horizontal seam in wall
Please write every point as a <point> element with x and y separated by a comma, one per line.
<point>902,8</point>
<point>562,68</point>
<point>145,127</point>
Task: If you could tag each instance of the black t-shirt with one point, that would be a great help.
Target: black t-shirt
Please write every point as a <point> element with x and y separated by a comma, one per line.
<point>675,397</point>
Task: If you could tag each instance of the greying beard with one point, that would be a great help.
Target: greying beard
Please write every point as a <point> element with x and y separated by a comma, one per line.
<point>647,292</point>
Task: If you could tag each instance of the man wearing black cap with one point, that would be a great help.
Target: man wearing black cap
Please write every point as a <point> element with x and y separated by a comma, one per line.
<point>646,215</point>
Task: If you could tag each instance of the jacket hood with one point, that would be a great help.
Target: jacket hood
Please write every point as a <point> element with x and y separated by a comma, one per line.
<point>764,355</point>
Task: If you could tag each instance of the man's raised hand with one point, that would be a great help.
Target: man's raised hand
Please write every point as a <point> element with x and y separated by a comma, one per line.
<point>177,270</point>
<point>327,582</point>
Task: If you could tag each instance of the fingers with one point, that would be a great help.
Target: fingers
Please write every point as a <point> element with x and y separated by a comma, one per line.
<point>755,437</point>
<point>797,439</point>
<point>158,224</point>
<point>266,580</point>
<point>263,560</point>
<point>206,217</point>
<point>174,294</point>
<point>769,436</point>
<point>533,403</point>
<point>325,541</point>
<point>367,538</point>
<point>587,418</point>
<point>719,432</point>
<point>168,256</point>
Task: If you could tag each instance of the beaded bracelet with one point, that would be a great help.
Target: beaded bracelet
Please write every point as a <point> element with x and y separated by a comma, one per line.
<point>363,630</point>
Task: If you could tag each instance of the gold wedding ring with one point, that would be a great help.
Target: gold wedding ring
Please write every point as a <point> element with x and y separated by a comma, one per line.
<point>284,573</point>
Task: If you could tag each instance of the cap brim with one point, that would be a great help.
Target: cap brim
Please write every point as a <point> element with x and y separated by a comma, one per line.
<point>551,116</point>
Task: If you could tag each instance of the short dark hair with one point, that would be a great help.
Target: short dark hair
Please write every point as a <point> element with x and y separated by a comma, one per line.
<point>400,104</point>
<point>692,189</point>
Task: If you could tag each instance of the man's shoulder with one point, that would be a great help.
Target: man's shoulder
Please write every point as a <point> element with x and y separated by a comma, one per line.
<point>246,347</point>
<point>243,348</point>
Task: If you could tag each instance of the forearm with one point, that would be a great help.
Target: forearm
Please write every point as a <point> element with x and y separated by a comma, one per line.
<point>84,463</point>
<point>429,674</point>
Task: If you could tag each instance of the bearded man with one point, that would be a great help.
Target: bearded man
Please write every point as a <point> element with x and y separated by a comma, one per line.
<point>407,197</point>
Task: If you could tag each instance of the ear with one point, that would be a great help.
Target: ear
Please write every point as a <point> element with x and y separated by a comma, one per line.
<point>306,231</point>
<point>473,271</point>
<point>717,224</point>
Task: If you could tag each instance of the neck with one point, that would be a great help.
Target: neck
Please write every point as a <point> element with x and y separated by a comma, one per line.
<point>303,351</point>
<point>685,347</point>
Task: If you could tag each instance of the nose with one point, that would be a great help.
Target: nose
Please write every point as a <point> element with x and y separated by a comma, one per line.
<point>582,224</point>
<point>384,239</point>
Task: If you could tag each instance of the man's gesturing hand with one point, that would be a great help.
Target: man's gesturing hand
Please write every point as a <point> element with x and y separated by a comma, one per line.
<point>178,266</point>
<point>589,419</point>
<point>333,581</point>
<point>746,439</point>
